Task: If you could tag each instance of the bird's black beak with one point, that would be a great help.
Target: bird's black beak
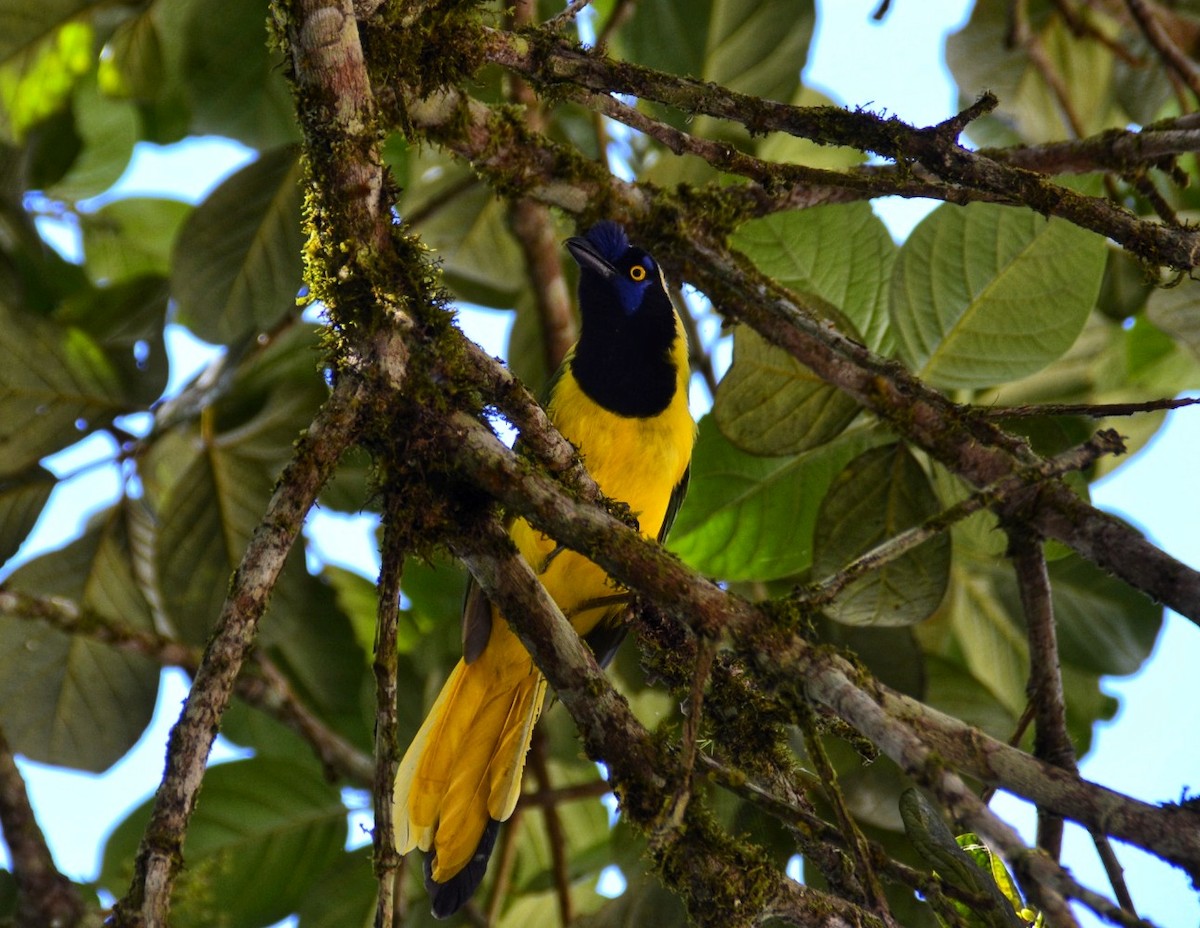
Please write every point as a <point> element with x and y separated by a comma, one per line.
<point>585,253</point>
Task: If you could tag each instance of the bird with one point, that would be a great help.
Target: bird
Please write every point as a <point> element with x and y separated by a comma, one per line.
<point>621,397</point>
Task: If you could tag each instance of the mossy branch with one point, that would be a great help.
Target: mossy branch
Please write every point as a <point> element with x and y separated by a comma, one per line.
<point>785,658</point>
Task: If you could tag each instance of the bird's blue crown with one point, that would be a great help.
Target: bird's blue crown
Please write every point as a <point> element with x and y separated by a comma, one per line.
<point>609,239</point>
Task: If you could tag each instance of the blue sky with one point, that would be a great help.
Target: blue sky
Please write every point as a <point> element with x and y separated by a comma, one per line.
<point>856,62</point>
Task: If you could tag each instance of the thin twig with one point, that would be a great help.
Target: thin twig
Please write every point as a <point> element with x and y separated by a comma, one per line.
<point>1078,458</point>
<point>386,857</point>
<point>698,357</point>
<point>567,16</point>
<point>44,895</point>
<point>1052,743</point>
<point>855,841</point>
<point>1171,54</point>
<point>1091,410</point>
<point>555,833</point>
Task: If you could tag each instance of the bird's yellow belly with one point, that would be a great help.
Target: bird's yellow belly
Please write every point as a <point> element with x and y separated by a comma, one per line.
<point>636,461</point>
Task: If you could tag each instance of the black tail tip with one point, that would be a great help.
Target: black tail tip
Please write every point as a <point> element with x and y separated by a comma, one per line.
<point>447,898</point>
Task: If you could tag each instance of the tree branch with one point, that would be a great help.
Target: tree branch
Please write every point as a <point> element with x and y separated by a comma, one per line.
<point>387,861</point>
<point>260,684</point>
<point>1051,741</point>
<point>44,896</point>
<point>159,858</point>
<point>724,883</point>
<point>1172,833</point>
<point>549,62</point>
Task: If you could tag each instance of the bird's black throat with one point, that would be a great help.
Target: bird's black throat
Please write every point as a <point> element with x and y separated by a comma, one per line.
<point>624,363</point>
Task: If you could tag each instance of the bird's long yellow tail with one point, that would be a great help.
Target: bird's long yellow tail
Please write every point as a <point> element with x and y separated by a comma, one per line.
<point>462,772</point>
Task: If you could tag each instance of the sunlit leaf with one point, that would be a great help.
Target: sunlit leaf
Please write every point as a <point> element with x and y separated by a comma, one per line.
<point>36,80</point>
<point>768,403</point>
<point>984,294</point>
<point>751,518</point>
<point>265,831</point>
<point>843,254</point>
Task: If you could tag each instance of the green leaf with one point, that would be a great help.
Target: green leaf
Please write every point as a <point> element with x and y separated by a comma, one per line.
<point>768,403</point>
<point>22,498</point>
<point>236,267</point>
<point>131,237</point>
<point>358,598</point>
<point>462,220</point>
<point>37,80</point>
<point>892,654</point>
<point>1104,626</point>
<point>313,642</point>
<point>265,830</point>
<point>343,896</point>
<point>843,254</point>
<point>757,47</point>
<point>950,688</point>
<point>71,700</point>
<point>210,486</point>
<point>752,518</point>
<point>234,83</point>
<point>56,383</point>
<point>984,294</point>
<point>990,640</point>
<point>1176,310</point>
<point>24,23</point>
<point>207,517</point>
<point>131,64</point>
<point>879,494</point>
<point>107,129</point>
<point>127,320</point>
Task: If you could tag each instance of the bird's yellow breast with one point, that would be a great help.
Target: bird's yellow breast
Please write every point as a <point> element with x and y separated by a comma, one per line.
<point>638,461</point>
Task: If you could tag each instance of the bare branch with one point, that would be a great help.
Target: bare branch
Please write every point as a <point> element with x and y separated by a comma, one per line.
<point>1172,55</point>
<point>1051,741</point>
<point>159,858</point>
<point>387,758</point>
<point>44,896</point>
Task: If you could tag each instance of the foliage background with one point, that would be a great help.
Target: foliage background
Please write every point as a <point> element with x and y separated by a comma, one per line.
<point>262,130</point>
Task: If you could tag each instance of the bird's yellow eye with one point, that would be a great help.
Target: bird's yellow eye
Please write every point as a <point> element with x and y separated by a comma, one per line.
<point>638,273</point>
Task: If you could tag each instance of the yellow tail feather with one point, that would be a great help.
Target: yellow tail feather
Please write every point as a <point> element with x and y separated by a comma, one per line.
<point>464,765</point>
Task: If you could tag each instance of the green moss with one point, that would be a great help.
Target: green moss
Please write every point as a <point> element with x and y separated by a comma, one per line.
<point>723,881</point>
